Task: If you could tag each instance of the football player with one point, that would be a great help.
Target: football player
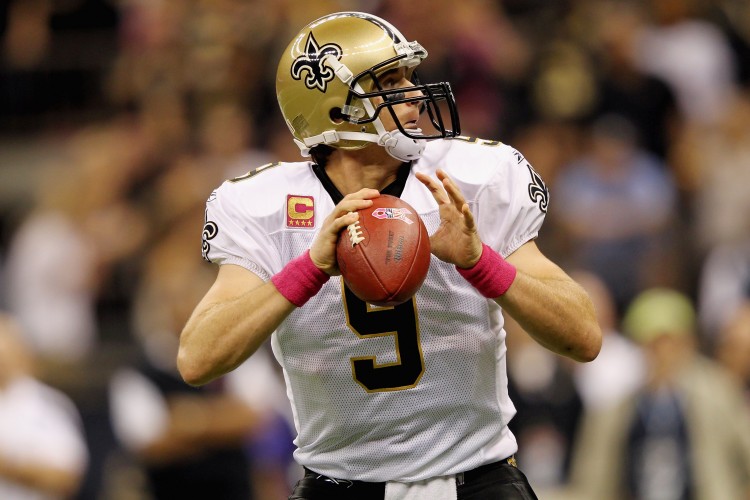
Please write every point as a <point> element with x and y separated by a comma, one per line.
<point>409,401</point>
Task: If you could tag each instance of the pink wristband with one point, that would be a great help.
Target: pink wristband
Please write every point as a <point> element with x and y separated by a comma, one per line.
<point>491,275</point>
<point>299,280</point>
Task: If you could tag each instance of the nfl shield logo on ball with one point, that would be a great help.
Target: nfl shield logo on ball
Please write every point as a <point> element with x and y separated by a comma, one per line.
<point>393,213</point>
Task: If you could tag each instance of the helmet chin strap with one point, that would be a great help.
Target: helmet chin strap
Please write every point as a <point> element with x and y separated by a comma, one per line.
<point>394,142</point>
<point>401,147</point>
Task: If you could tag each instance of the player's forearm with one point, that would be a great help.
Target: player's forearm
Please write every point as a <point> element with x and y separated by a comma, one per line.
<point>220,336</point>
<point>557,313</point>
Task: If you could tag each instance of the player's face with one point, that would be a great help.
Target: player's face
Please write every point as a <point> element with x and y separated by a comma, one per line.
<point>407,113</point>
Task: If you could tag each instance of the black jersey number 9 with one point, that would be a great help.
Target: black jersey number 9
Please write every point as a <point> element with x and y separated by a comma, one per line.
<point>400,322</point>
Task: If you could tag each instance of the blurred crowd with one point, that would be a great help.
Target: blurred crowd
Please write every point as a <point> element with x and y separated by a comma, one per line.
<point>119,117</point>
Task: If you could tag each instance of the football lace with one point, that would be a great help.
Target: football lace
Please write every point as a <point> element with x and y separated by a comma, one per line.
<point>355,233</point>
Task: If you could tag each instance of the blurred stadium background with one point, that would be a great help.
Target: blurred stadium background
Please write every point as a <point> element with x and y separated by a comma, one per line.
<point>118,118</point>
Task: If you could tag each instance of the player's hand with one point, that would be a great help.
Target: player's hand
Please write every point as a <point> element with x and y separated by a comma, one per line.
<point>456,241</point>
<point>323,249</point>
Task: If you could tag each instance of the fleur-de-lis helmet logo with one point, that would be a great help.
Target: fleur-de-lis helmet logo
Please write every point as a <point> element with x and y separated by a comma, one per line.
<point>318,75</point>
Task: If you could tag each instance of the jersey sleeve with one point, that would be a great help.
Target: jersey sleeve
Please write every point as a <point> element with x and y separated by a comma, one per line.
<point>231,235</point>
<point>513,205</point>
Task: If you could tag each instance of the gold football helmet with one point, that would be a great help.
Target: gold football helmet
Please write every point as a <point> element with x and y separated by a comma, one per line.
<point>329,73</point>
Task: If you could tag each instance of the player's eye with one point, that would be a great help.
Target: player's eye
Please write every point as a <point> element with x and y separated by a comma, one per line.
<point>391,79</point>
<point>388,83</point>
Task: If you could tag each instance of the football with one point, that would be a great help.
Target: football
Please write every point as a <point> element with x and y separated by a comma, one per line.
<point>384,257</point>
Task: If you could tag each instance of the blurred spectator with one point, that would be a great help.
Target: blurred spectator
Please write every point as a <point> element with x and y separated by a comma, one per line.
<point>616,204</point>
<point>150,59</point>
<point>228,141</point>
<point>62,251</point>
<point>188,85</point>
<point>714,168</point>
<point>51,271</point>
<point>259,383</point>
<point>28,35</point>
<point>692,55</point>
<point>733,345</point>
<point>724,286</point>
<point>563,86</point>
<point>684,435</point>
<point>623,89</point>
<point>548,409</point>
<point>191,442</point>
<point>43,454</point>
<point>733,17</point>
<point>620,368</point>
<point>52,57</point>
<point>551,145</point>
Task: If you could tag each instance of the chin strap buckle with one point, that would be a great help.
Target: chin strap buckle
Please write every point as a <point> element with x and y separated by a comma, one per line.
<point>329,137</point>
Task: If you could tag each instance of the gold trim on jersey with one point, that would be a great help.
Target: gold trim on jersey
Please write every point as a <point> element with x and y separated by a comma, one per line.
<point>476,140</point>
<point>254,172</point>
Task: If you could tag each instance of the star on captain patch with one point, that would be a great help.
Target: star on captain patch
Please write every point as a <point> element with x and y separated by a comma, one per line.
<point>300,211</point>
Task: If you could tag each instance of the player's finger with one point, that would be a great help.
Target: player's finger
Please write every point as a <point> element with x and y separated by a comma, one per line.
<point>363,194</point>
<point>345,220</point>
<point>437,190</point>
<point>468,217</point>
<point>350,205</point>
<point>337,224</point>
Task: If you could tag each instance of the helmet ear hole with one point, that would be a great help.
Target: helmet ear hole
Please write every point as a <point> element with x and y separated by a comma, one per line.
<point>336,115</point>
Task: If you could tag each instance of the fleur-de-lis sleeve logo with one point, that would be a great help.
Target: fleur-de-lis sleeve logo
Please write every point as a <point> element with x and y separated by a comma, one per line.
<point>318,75</point>
<point>210,230</point>
<point>537,190</point>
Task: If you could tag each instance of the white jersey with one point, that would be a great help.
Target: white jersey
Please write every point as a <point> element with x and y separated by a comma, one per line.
<point>394,394</point>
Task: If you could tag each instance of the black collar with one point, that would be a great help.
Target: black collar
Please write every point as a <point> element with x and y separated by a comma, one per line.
<point>395,188</point>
